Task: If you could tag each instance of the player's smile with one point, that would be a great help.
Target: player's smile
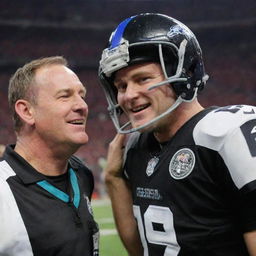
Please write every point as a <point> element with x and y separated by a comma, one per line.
<point>139,112</point>
<point>139,108</point>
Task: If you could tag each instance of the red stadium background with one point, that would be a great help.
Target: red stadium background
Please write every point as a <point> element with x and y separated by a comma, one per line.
<point>79,30</point>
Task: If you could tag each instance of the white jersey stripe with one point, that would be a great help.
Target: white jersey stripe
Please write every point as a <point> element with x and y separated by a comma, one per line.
<point>220,131</point>
<point>13,234</point>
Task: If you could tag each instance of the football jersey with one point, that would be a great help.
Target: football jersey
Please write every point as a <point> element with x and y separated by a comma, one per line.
<point>196,194</point>
<point>36,220</point>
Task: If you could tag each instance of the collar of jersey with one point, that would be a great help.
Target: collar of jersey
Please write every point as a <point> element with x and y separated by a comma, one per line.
<point>60,194</point>
<point>26,173</point>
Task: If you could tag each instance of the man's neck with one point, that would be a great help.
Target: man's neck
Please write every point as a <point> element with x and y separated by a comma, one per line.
<point>177,119</point>
<point>43,159</point>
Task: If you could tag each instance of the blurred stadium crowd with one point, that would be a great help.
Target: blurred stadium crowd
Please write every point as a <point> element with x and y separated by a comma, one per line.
<point>78,30</point>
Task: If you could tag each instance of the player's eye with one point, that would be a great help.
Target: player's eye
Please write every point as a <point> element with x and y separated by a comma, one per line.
<point>144,79</point>
<point>121,87</point>
<point>64,96</point>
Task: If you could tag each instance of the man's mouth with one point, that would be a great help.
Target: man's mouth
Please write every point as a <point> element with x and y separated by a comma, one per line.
<point>140,108</point>
<point>77,122</point>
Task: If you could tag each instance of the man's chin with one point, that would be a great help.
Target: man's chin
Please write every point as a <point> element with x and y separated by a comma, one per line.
<point>81,140</point>
<point>147,128</point>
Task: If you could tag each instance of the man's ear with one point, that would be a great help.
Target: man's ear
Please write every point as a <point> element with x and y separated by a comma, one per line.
<point>25,111</point>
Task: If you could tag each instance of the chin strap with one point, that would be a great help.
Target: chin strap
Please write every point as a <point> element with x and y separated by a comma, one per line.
<point>169,110</point>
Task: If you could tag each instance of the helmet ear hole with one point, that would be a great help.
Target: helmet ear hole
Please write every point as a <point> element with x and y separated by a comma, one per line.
<point>185,89</point>
<point>180,89</point>
<point>197,69</point>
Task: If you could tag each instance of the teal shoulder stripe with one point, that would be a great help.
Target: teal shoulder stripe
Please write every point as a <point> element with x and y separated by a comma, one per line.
<point>75,187</point>
<point>53,190</point>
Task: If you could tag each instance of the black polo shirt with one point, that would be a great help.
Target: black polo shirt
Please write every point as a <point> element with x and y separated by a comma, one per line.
<point>34,221</point>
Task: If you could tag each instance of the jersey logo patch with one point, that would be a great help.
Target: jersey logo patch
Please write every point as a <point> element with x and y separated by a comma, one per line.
<point>182,163</point>
<point>151,165</point>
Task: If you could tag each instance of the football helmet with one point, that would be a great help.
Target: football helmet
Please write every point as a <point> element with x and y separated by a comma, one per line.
<point>153,37</point>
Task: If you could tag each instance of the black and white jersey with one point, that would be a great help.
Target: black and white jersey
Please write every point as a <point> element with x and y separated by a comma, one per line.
<point>196,195</point>
<point>34,221</point>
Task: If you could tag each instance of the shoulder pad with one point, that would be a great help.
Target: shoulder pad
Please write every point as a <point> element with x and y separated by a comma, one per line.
<point>211,130</point>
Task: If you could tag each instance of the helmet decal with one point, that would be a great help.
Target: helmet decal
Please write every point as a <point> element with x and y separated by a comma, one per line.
<point>176,30</point>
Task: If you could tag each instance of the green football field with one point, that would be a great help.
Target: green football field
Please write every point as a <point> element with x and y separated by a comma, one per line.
<point>110,244</point>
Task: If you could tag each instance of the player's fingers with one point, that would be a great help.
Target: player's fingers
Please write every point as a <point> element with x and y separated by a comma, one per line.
<point>118,141</point>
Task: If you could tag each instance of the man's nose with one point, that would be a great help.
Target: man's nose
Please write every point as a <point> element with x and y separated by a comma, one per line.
<point>80,104</point>
<point>132,91</point>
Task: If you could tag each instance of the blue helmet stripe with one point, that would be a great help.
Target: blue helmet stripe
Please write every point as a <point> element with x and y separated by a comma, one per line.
<point>118,34</point>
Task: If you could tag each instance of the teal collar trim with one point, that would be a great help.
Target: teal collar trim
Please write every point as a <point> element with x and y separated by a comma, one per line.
<point>60,194</point>
<point>75,187</point>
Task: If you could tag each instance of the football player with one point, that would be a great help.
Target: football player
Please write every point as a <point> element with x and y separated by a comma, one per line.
<point>187,185</point>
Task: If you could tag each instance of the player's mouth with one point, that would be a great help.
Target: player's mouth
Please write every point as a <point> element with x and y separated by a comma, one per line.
<point>139,108</point>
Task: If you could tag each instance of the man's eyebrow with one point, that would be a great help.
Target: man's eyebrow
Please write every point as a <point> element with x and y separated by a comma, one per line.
<point>134,76</point>
<point>68,90</point>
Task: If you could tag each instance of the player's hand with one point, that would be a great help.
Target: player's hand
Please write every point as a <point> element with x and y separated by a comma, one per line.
<point>114,163</point>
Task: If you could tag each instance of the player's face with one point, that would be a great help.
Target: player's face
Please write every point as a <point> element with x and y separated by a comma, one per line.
<point>140,104</point>
<point>60,111</point>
